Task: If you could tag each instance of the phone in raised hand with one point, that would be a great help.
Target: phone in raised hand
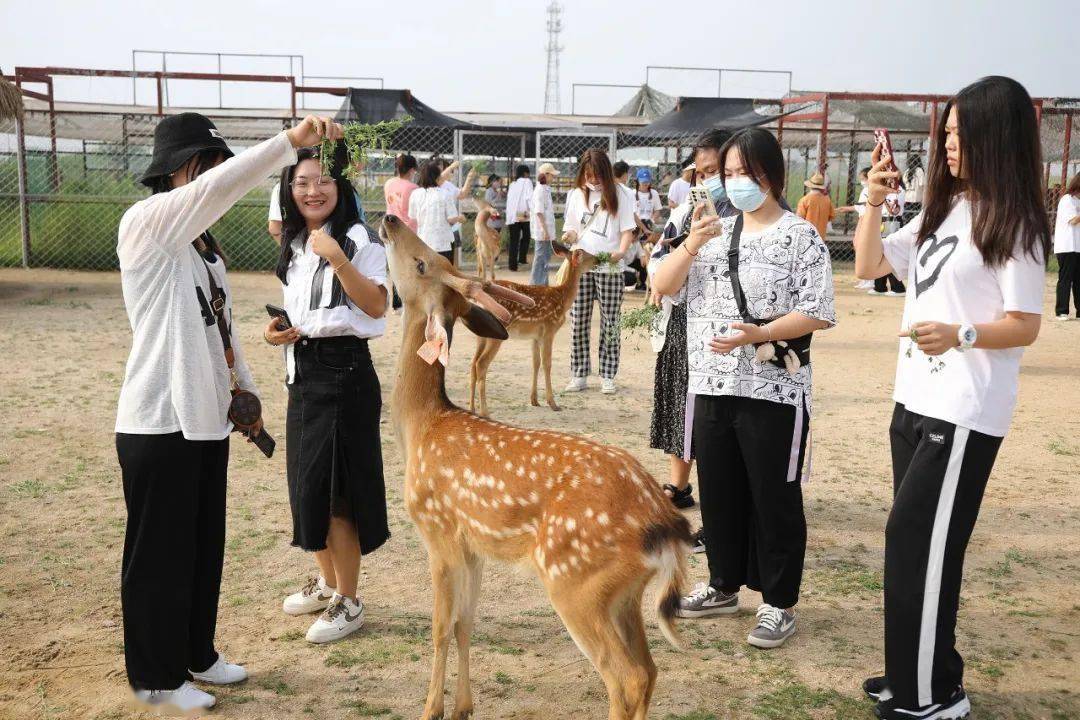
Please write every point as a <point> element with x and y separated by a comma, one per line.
<point>283,317</point>
<point>699,195</point>
<point>885,142</point>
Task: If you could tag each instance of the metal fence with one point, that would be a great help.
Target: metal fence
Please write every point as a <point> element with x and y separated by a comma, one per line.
<point>61,199</point>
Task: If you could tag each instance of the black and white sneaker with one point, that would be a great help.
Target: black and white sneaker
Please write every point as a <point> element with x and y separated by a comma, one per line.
<point>705,600</point>
<point>877,688</point>
<point>956,707</point>
<point>699,541</point>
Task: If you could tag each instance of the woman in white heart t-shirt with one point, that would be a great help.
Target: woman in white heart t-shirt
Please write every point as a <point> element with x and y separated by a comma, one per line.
<point>974,260</point>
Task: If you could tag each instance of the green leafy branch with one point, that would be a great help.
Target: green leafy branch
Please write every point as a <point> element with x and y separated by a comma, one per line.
<point>359,139</point>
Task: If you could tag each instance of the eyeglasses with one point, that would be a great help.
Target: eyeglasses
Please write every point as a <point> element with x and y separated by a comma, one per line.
<point>303,184</point>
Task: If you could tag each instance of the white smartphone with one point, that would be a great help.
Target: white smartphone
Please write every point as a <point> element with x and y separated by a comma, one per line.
<point>699,195</point>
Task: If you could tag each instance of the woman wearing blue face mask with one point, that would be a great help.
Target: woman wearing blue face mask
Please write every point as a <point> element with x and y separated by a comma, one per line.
<point>670,417</point>
<point>756,285</point>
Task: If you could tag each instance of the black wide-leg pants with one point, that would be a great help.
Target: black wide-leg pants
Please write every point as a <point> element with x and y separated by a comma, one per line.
<point>174,547</point>
<point>940,471</point>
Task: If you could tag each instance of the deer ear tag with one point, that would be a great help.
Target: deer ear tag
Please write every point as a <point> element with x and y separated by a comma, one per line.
<point>437,346</point>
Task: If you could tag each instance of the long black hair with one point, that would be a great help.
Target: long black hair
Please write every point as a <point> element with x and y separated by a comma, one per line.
<point>204,160</point>
<point>1001,156</point>
<point>343,217</point>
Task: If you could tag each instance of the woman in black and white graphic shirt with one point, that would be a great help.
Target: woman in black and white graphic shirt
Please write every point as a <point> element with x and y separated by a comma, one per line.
<point>751,416</point>
<point>172,426</point>
<point>333,274</point>
<point>975,264</point>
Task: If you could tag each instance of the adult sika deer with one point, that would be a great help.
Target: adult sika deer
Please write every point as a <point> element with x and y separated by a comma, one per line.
<point>588,518</point>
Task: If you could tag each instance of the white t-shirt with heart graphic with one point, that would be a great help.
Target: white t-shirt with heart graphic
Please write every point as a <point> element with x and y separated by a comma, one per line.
<point>948,282</point>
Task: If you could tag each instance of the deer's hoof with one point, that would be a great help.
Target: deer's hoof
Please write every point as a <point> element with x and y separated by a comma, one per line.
<point>462,714</point>
<point>554,405</point>
<point>534,402</point>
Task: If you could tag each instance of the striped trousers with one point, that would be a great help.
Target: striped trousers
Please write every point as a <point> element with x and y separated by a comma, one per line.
<point>940,471</point>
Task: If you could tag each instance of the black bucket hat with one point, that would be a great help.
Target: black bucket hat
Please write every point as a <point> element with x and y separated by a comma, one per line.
<point>177,139</point>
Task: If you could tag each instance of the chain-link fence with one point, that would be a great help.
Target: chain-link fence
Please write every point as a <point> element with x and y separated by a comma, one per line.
<point>61,200</point>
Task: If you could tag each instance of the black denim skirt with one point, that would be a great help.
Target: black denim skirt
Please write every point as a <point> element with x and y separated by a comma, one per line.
<point>333,451</point>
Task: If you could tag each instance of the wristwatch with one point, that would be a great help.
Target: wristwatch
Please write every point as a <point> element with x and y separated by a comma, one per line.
<point>966,337</point>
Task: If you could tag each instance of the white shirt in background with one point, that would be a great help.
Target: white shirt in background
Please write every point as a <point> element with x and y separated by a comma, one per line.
<point>518,197</point>
<point>451,191</point>
<point>176,378</point>
<point>334,314</point>
<point>647,203</point>
<point>1066,236</point>
<point>603,234</point>
<point>432,212</point>
<point>275,205</point>
<point>948,282</point>
<point>913,191</point>
<point>541,206</point>
<point>678,192</point>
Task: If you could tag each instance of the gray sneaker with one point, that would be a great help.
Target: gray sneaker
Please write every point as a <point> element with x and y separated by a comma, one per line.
<point>705,600</point>
<point>774,627</point>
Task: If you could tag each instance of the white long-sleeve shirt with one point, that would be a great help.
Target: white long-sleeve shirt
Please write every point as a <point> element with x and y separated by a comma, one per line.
<point>518,199</point>
<point>542,210</point>
<point>176,379</point>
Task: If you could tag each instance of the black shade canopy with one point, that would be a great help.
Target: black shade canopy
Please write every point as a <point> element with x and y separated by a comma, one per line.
<point>696,115</point>
<point>429,130</point>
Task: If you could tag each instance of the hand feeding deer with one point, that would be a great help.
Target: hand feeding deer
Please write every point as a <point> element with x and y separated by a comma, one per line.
<point>589,519</point>
<point>487,241</point>
<point>538,323</point>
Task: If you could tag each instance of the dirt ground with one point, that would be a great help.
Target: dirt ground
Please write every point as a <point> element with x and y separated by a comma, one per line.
<point>62,522</point>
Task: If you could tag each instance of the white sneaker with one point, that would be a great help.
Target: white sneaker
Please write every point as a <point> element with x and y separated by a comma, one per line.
<point>872,291</point>
<point>607,386</point>
<point>312,598</point>
<point>576,384</point>
<point>342,618</point>
<point>1063,318</point>
<point>184,699</point>
<point>893,293</point>
<point>221,673</point>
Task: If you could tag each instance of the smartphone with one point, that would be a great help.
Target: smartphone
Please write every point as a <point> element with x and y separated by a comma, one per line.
<point>699,195</point>
<point>883,139</point>
<point>283,317</point>
<point>263,441</point>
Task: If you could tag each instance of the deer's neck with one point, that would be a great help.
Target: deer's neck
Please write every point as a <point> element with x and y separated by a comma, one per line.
<point>568,289</point>
<point>420,390</point>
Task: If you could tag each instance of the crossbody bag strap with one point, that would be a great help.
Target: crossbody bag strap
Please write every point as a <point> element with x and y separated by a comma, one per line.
<point>733,270</point>
<point>216,308</point>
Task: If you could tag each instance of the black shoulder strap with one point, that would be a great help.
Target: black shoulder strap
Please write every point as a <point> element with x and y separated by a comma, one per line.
<point>214,311</point>
<point>733,269</point>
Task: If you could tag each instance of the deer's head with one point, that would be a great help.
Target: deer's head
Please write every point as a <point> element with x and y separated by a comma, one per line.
<point>431,286</point>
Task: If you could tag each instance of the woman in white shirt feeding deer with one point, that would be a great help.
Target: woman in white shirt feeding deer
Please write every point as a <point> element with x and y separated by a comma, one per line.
<point>600,219</point>
<point>975,263</point>
<point>757,285</point>
<point>172,422</point>
<point>333,274</point>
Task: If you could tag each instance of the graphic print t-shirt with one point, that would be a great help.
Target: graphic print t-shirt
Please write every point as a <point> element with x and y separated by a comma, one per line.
<point>783,268</point>
<point>948,282</point>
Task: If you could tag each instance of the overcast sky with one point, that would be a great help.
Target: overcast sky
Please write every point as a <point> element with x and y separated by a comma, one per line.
<point>489,56</point>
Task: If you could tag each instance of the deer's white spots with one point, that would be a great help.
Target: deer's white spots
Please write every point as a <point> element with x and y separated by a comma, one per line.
<point>570,524</point>
<point>551,542</point>
<point>532,475</point>
<point>509,466</point>
<point>451,439</point>
<point>588,512</point>
<point>575,482</point>
<point>550,460</point>
<point>573,559</point>
<point>500,485</point>
<point>423,467</point>
<point>446,472</point>
<point>603,519</point>
<point>520,471</point>
<point>560,496</point>
<point>534,496</point>
<point>502,444</point>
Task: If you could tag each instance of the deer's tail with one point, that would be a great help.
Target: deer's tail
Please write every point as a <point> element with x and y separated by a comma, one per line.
<point>666,544</point>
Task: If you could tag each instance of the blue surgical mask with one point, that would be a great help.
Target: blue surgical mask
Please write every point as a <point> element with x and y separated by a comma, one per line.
<point>715,186</point>
<point>745,194</point>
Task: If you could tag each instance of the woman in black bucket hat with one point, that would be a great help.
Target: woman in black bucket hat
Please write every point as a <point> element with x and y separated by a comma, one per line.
<point>172,424</point>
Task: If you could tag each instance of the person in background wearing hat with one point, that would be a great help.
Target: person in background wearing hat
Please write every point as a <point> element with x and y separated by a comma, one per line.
<point>517,214</point>
<point>172,426</point>
<point>815,206</point>
<point>680,187</point>
<point>647,208</point>
<point>542,217</point>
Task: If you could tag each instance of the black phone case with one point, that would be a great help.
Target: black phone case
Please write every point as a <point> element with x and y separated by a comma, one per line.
<point>264,442</point>
<point>276,312</point>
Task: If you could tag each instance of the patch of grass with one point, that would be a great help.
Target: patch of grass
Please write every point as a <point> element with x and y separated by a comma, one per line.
<point>1060,447</point>
<point>693,715</point>
<point>847,577</point>
<point>497,645</point>
<point>363,709</point>
<point>381,655</point>
<point>503,679</point>
<point>290,635</point>
<point>38,302</point>
<point>30,487</point>
<point>794,701</point>
<point>276,684</point>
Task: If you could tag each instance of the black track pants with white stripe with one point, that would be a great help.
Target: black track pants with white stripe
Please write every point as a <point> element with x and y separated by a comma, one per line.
<point>939,475</point>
